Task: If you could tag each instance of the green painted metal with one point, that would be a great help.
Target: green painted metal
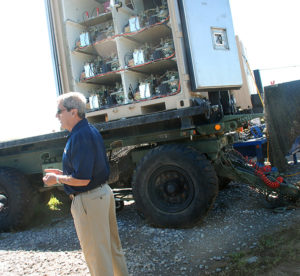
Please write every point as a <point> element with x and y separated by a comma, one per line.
<point>228,123</point>
<point>30,154</point>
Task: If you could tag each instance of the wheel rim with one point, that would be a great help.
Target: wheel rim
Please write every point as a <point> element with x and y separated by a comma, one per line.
<point>3,204</point>
<point>171,189</point>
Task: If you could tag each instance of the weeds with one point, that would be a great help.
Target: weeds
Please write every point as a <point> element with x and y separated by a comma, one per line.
<point>57,207</point>
<point>54,204</point>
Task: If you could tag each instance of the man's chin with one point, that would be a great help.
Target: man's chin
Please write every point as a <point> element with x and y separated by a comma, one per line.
<point>62,126</point>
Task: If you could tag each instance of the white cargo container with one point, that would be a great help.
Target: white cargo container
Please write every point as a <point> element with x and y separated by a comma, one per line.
<point>137,44</point>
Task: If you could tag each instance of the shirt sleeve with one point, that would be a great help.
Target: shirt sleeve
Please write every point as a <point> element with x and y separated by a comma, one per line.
<point>82,157</point>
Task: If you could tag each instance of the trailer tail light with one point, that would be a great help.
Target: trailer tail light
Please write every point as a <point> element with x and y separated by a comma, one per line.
<point>218,127</point>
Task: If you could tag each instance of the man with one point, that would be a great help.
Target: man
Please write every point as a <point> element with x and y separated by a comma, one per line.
<point>85,173</point>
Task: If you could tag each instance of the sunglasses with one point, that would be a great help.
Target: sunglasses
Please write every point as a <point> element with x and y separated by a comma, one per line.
<point>59,111</point>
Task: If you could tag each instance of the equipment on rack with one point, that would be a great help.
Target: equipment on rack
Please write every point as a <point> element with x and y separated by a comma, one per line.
<point>150,52</point>
<point>117,94</point>
<point>134,24</point>
<point>142,55</point>
<point>103,31</point>
<point>145,90</point>
<point>113,62</point>
<point>84,39</point>
<point>89,70</point>
<point>100,66</point>
<point>155,86</point>
<point>106,97</point>
<point>165,49</point>
<point>168,83</point>
<point>147,18</point>
<point>94,34</point>
<point>94,102</point>
<point>138,56</point>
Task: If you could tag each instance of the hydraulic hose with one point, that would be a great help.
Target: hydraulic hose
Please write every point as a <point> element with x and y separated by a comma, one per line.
<point>260,171</point>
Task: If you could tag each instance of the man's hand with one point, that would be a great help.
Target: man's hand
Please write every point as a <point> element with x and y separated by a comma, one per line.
<point>50,179</point>
<point>51,174</point>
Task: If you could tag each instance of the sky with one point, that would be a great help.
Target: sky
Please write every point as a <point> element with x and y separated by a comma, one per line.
<point>268,29</point>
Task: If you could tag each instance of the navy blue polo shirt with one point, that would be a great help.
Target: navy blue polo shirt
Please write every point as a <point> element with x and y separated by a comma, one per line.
<point>85,157</point>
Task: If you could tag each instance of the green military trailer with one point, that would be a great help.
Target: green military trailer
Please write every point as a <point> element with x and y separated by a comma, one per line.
<point>167,159</point>
<point>172,162</point>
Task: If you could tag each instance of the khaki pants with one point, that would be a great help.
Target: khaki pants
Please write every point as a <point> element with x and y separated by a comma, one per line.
<point>96,226</point>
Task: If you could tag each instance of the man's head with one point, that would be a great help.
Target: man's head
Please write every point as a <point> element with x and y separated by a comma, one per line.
<point>70,109</point>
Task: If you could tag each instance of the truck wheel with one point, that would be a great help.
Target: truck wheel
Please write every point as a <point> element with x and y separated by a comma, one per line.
<point>174,186</point>
<point>16,200</point>
<point>44,197</point>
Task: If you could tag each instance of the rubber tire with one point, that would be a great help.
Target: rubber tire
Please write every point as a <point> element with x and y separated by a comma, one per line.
<point>198,172</point>
<point>44,197</point>
<point>21,199</point>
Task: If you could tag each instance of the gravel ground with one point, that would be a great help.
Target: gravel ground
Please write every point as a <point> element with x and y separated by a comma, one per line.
<point>238,219</point>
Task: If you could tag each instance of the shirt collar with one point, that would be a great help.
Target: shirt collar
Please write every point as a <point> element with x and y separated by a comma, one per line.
<point>79,125</point>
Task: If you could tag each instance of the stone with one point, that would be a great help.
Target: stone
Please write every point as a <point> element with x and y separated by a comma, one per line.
<point>252,260</point>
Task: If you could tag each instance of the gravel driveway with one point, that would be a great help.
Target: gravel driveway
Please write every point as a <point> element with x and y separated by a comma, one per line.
<point>238,219</point>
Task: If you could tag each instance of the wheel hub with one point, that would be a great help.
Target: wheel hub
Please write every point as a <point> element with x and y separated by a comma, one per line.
<point>3,202</point>
<point>171,189</point>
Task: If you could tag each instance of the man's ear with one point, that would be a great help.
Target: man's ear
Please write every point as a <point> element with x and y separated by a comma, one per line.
<point>74,112</point>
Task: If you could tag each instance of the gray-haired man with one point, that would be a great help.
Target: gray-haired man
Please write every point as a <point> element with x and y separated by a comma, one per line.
<point>85,173</point>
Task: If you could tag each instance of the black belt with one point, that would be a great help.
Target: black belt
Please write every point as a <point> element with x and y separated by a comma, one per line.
<point>72,196</point>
